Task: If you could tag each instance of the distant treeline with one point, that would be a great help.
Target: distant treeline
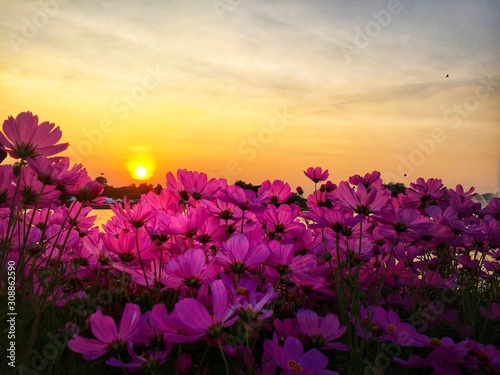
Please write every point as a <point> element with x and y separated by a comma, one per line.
<point>132,192</point>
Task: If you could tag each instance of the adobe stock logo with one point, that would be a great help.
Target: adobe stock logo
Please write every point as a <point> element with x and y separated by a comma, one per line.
<point>363,36</point>
<point>31,26</point>
<point>459,111</point>
<point>223,6</point>
<point>249,148</point>
<point>463,109</point>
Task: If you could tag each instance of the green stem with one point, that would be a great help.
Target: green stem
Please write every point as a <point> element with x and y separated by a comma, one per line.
<point>226,365</point>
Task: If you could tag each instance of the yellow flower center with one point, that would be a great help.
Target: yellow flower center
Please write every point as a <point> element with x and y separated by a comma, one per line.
<point>392,328</point>
<point>435,341</point>
<point>241,291</point>
<point>294,366</point>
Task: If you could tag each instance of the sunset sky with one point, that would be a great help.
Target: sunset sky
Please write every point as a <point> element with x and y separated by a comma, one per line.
<point>257,90</point>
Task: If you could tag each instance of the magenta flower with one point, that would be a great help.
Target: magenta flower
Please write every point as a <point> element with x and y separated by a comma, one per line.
<point>137,217</point>
<point>277,191</point>
<point>243,198</point>
<point>196,321</point>
<point>108,336</point>
<point>319,199</point>
<point>283,262</point>
<point>23,137</point>
<point>149,359</point>
<point>321,331</point>
<point>187,224</point>
<point>403,334</point>
<point>362,201</point>
<point>328,187</point>
<point>237,256</point>
<point>90,193</point>
<point>164,201</point>
<point>190,269</point>
<point>338,220</point>
<point>198,186</point>
<point>249,303</point>
<point>281,223</point>
<point>33,193</point>
<point>193,185</point>
<point>464,357</point>
<point>369,180</point>
<point>492,313</point>
<point>211,231</point>
<point>423,194</point>
<point>127,246</point>
<point>407,222</point>
<point>292,359</point>
<point>492,209</point>
<point>316,174</point>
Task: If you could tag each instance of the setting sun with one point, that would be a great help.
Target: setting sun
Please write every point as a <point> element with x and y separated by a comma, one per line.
<point>141,164</point>
<point>141,172</point>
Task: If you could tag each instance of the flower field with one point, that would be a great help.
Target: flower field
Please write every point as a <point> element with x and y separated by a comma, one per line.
<point>211,278</point>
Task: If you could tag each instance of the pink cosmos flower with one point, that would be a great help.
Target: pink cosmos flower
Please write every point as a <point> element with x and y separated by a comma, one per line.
<point>23,137</point>
<point>137,217</point>
<point>211,231</point>
<point>281,223</point>
<point>328,187</point>
<point>423,194</point>
<point>403,334</point>
<point>407,222</point>
<point>90,193</point>
<point>369,180</point>
<point>196,321</point>
<point>292,359</point>
<point>320,199</point>
<point>165,200</point>
<point>32,192</point>
<point>492,209</point>
<point>108,336</point>
<point>237,256</point>
<point>193,185</point>
<point>127,246</point>
<point>282,261</point>
<point>277,191</point>
<point>452,358</point>
<point>243,198</point>
<point>249,302</point>
<point>321,331</point>
<point>147,359</point>
<point>190,269</point>
<point>335,219</point>
<point>362,201</point>
<point>492,313</point>
<point>198,186</point>
<point>187,224</point>
<point>316,174</point>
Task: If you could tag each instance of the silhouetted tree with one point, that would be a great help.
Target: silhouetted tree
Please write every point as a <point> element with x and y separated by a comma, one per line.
<point>102,180</point>
<point>158,188</point>
<point>246,186</point>
<point>396,188</point>
<point>301,201</point>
